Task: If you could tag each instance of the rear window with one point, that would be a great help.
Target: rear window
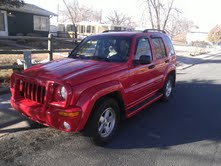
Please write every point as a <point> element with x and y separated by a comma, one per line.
<point>170,46</point>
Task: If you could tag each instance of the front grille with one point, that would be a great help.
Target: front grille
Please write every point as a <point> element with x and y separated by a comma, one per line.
<point>32,91</point>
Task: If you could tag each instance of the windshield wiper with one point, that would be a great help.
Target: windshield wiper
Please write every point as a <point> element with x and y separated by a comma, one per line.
<point>100,58</point>
<point>78,56</point>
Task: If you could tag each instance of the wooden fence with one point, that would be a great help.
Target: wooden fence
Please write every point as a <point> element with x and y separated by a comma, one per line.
<point>27,53</point>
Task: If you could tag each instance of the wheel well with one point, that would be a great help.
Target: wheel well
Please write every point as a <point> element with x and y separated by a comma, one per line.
<point>173,74</point>
<point>118,98</point>
<point>114,95</point>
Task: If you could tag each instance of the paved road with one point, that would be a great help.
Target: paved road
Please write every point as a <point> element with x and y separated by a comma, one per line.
<point>186,131</point>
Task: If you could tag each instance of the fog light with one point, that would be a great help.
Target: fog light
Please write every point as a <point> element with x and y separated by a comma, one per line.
<point>66,126</point>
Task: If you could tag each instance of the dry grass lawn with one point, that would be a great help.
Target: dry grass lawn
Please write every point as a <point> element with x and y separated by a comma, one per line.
<point>10,59</point>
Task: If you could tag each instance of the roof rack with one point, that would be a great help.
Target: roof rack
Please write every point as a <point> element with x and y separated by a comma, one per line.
<point>153,30</point>
<point>106,31</point>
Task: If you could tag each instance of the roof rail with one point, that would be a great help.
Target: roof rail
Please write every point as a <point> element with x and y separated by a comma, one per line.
<point>153,30</point>
<point>106,31</point>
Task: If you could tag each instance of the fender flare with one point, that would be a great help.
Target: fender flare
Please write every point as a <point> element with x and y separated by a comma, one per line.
<point>90,96</point>
<point>170,69</point>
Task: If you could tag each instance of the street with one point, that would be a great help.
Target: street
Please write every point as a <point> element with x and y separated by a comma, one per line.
<point>186,131</point>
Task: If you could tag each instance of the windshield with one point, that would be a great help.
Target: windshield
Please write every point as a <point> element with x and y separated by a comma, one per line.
<point>110,49</point>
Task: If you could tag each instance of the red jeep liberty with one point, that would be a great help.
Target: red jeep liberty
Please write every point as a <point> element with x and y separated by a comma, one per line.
<point>107,77</point>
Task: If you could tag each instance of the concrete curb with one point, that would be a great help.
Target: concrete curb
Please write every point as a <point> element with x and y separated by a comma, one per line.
<point>183,66</point>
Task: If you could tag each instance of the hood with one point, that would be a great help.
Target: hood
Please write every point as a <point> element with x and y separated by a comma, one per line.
<point>73,70</point>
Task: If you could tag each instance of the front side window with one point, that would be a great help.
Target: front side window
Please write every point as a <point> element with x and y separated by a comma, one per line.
<point>143,48</point>
<point>159,47</point>
<point>111,49</point>
<point>41,23</point>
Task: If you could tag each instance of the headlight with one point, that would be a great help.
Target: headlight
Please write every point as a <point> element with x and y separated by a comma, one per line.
<point>63,92</point>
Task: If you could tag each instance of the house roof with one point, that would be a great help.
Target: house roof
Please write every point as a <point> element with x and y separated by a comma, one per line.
<point>28,8</point>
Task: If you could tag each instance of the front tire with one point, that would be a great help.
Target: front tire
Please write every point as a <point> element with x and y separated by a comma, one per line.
<point>103,122</point>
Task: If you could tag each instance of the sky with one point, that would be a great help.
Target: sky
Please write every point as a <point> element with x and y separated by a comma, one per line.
<point>204,13</point>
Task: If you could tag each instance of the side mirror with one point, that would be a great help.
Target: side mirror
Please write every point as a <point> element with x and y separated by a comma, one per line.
<point>145,59</point>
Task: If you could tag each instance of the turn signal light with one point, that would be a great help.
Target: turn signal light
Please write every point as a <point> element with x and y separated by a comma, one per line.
<point>68,114</point>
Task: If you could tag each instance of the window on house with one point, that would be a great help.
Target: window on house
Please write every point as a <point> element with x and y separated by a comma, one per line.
<point>2,22</point>
<point>117,28</point>
<point>159,48</point>
<point>88,29</point>
<point>69,28</point>
<point>61,28</point>
<point>93,29</point>
<point>82,29</point>
<point>41,23</point>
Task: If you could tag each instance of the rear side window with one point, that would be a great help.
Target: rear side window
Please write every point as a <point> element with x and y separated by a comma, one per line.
<point>159,47</point>
<point>170,46</point>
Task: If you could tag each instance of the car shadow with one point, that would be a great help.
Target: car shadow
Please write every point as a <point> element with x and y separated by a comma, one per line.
<point>193,114</point>
<point>194,60</point>
<point>10,117</point>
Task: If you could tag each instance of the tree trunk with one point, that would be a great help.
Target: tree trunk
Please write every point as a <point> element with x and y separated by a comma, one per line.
<point>168,14</point>
<point>72,19</point>
<point>151,15</point>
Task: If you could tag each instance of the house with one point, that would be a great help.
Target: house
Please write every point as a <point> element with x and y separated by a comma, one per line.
<point>26,20</point>
<point>196,36</point>
<point>84,28</point>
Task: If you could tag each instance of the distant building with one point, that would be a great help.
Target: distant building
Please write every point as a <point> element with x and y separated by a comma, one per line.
<point>85,28</point>
<point>26,20</point>
<point>197,37</point>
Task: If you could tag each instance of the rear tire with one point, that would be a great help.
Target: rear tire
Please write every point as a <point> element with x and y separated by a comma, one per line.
<point>103,122</point>
<point>167,88</point>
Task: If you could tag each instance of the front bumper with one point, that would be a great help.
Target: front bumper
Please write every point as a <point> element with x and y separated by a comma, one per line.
<point>48,116</point>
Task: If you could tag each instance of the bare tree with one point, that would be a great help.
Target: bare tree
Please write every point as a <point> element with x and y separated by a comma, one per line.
<point>82,13</point>
<point>12,3</point>
<point>159,12</point>
<point>215,34</point>
<point>72,17</point>
<point>76,13</point>
<point>118,18</point>
<point>178,26</point>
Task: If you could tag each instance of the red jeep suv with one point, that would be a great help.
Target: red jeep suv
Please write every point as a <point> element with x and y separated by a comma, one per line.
<point>107,77</point>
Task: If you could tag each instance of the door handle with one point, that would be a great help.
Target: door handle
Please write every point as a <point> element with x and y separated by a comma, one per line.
<point>151,66</point>
<point>166,61</point>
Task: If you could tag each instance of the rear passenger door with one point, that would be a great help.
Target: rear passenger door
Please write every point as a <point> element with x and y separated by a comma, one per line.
<point>161,60</point>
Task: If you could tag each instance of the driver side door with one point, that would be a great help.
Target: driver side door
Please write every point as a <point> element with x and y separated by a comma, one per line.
<point>142,83</point>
